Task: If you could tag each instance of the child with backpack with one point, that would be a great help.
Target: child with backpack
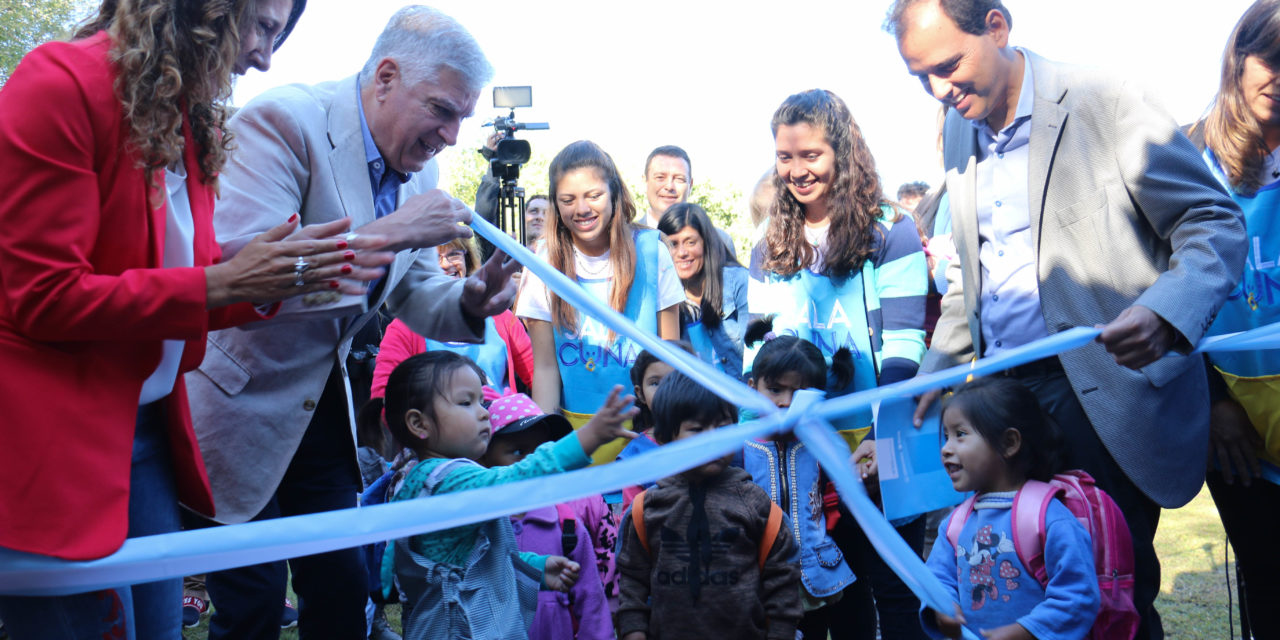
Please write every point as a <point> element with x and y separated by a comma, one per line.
<point>706,553</point>
<point>520,427</point>
<point>1021,564</point>
<point>471,581</point>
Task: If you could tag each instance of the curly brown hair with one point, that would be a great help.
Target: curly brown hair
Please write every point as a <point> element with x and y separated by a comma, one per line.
<point>622,248</point>
<point>1231,129</point>
<point>170,55</point>
<point>853,203</point>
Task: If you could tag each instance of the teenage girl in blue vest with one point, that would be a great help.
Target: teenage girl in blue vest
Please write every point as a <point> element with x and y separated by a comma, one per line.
<point>1242,135</point>
<point>714,315</point>
<point>591,239</point>
<point>841,267</point>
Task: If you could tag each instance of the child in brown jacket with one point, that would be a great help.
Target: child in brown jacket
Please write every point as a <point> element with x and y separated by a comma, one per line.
<point>706,553</point>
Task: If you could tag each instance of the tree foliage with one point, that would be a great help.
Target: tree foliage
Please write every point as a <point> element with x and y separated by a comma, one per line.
<point>29,23</point>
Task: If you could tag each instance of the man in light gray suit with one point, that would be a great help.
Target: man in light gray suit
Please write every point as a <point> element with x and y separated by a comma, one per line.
<point>271,402</point>
<point>1076,202</point>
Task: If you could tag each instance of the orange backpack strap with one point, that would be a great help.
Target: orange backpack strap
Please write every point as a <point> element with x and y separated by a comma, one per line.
<point>637,521</point>
<point>770,531</point>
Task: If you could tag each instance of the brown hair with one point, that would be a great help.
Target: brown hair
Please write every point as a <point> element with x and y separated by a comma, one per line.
<point>1231,130</point>
<point>170,55</point>
<point>585,154</point>
<point>854,201</point>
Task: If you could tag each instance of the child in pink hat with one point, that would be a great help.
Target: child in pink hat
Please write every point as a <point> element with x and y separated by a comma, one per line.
<point>519,427</point>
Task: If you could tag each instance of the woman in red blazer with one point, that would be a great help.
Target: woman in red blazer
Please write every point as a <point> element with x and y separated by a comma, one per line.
<point>109,280</point>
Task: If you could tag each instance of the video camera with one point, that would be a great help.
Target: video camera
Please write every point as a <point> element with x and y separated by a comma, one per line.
<point>509,155</point>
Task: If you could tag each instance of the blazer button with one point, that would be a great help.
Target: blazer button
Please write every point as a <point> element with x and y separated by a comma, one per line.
<point>309,405</point>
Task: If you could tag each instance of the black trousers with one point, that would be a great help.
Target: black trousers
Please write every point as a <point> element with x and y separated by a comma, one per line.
<point>332,587</point>
<point>878,595</point>
<point>1083,450</point>
<point>1251,515</point>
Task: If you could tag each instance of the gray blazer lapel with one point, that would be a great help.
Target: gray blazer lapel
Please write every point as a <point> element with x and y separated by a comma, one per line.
<point>1047,119</point>
<point>347,159</point>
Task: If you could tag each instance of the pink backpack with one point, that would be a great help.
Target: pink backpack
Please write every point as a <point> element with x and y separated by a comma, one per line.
<point>1099,515</point>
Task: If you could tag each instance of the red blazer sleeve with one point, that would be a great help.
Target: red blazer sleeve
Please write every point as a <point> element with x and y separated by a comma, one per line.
<point>399,343</point>
<point>74,220</point>
<point>512,332</point>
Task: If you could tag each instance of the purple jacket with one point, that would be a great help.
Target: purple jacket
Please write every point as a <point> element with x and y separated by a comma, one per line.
<point>539,532</point>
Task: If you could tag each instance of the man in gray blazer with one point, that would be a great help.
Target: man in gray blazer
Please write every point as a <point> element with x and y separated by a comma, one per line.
<point>1076,202</point>
<point>271,402</point>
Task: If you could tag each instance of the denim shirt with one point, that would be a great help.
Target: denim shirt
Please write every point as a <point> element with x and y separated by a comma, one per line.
<point>789,473</point>
<point>726,339</point>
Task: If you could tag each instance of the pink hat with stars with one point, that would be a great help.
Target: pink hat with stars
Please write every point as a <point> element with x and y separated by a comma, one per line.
<point>517,412</point>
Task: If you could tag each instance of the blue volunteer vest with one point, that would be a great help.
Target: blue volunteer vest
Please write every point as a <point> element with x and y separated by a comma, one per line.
<point>830,315</point>
<point>490,355</point>
<point>590,365</point>
<point>1254,376</point>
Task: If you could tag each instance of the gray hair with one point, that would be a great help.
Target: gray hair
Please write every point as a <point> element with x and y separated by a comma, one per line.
<point>422,40</point>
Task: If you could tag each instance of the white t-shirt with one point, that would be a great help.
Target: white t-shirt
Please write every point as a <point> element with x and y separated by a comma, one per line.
<point>816,236</point>
<point>179,251</point>
<point>1270,168</point>
<point>535,302</point>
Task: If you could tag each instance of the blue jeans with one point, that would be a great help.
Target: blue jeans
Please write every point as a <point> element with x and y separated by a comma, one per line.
<point>144,611</point>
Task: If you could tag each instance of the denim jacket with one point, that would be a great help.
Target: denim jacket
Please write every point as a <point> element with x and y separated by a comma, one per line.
<point>790,474</point>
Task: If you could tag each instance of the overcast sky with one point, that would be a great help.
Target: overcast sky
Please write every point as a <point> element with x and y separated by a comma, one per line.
<point>708,75</point>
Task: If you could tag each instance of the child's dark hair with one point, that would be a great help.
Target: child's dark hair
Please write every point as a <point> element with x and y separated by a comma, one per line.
<point>414,384</point>
<point>785,354</point>
<point>644,420</point>
<point>679,399</point>
<point>995,405</point>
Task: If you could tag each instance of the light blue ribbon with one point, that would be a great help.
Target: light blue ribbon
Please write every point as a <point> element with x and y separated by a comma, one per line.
<point>191,552</point>
<point>184,553</point>
<point>833,454</point>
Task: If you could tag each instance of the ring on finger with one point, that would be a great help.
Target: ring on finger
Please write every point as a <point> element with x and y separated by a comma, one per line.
<point>298,281</point>
<point>300,267</point>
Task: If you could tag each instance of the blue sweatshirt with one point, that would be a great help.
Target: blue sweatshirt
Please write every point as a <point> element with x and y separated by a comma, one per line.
<point>994,588</point>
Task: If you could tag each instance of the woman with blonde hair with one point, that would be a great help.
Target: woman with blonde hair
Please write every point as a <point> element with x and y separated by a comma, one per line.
<point>505,356</point>
<point>110,147</point>
<point>1242,139</point>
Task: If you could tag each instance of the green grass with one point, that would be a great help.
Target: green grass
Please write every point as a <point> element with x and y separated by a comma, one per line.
<point>1193,587</point>
<point>1193,584</point>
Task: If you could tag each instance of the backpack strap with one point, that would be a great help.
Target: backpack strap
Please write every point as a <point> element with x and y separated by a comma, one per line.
<point>771,529</point>
<point>568,529</point>
<point>955,522</point>
<point>637,521</point>
<point>1029,507</point>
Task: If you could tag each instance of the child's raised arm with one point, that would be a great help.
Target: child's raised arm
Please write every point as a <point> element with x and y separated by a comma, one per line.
<point>609,423</point>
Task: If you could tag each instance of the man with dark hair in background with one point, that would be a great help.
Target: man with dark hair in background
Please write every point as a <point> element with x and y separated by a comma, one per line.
<point>668,176</point>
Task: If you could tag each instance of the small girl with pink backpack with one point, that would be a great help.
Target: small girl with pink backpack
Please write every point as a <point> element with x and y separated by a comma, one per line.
<point>1030,554</point>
